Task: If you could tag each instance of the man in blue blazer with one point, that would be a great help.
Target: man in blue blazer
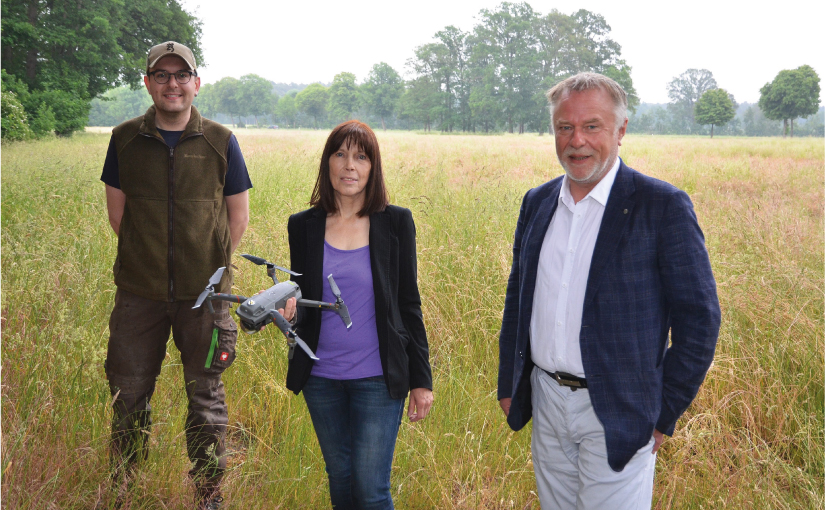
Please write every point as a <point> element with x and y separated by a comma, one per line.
<point>611,315</point>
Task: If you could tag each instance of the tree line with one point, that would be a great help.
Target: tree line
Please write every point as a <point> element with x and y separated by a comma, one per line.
<point>491,78</point>
<point>698,105</point>
<point>66,65</point>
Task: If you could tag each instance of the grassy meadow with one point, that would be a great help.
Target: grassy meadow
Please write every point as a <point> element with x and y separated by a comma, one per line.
<point>753,439</point>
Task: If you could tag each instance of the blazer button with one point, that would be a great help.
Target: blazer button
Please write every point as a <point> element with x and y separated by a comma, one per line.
<point>520,354</point>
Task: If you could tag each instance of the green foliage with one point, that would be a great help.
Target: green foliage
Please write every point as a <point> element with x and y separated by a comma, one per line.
<point>344,98</point>
<point>382,90</point>
<point>420,101</point>
<point>497,74</point>
<point>119,105</point>
<point>715,108</point>
<point>14,122</point>
<point>44,122</point>
<point>226,94</point>
<point>256,96</point>
<point>684,91</point>
<point>792,94</point>
<point>287,110</point>
<point>312,101</point>
<point>70,111</point>
<point>72,52</point>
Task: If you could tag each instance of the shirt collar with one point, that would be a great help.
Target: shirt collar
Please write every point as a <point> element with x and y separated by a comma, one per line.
<point>600,193</point>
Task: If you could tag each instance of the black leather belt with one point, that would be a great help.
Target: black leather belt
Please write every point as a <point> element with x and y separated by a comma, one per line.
<point>568,380</point>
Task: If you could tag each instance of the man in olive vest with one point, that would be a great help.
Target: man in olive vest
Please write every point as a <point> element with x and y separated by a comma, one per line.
<point>178,201</point>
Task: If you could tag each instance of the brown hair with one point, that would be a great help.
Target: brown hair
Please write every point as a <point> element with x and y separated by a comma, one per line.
<point>351,132</point>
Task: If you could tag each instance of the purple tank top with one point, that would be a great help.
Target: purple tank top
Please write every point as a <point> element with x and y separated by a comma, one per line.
<point>348,353</point>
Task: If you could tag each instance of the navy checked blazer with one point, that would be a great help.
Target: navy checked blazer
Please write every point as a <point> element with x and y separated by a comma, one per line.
<point>650,278</point>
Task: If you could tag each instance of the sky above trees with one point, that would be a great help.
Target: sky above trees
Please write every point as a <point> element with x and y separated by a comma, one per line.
<point>305,42</point>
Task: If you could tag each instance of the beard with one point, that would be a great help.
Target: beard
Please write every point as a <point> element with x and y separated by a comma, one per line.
<point>598,168</point>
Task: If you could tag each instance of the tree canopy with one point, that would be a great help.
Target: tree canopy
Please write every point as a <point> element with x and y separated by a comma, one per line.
<point>715,108</point>
<point>382,91</point>
<point>792,94</point>
<point>63,54</point>
<point>313,101</point>
<point>344,97</point>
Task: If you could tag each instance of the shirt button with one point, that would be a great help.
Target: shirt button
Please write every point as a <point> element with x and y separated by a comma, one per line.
<point>564,285</point>
<point>559,323</point>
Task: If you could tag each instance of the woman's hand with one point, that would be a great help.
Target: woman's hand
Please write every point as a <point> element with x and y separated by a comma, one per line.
<point>421,399</point>
<point>288,313</point>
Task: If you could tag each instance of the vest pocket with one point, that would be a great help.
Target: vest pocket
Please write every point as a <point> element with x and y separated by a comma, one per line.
<point>221,352</point>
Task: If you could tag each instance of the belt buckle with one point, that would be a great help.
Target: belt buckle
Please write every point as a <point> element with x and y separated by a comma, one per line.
<point>568,380</point>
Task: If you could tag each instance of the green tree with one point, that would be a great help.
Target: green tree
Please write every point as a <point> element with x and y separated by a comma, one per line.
<point>207,101</point>
<point>226,96</point>
<point>715,108</point>
<point>382,90</point>
<point>286,108</point>
<point>792,94</point>
<point>508,35</point>
<point>72,52</point>
<point>312,101</point>
<point>684,90</point>
<point>256,96</point>
<point>343,96</point>
<point>420,101</point>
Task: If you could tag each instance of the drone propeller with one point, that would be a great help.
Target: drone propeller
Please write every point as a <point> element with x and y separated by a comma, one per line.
<point>292,337</point>
<point>261,262</point>
<point>343,311</point>
<point>214,280</point>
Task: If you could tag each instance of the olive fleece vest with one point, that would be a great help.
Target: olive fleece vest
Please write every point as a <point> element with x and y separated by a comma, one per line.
<point>175,232</point>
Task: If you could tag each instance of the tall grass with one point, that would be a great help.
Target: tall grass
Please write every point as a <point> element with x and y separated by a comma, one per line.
<point>752,439</point>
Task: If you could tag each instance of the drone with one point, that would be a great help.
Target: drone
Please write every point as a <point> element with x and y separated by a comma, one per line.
<point>261,309</point>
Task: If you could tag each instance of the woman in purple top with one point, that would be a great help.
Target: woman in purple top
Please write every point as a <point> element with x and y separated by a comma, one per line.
<point>355,392</point>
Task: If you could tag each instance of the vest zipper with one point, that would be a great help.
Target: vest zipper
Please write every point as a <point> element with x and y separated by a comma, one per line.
<point>170,258</point>
<point>170,261</point>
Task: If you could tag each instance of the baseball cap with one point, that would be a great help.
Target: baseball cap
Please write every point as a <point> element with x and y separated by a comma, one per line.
<point>170,48</point>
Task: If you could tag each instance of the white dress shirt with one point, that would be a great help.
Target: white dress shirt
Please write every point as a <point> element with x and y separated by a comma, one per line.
<point>564,266</point>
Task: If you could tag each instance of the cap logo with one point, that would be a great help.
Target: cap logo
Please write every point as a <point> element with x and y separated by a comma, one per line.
<point>170,47</point>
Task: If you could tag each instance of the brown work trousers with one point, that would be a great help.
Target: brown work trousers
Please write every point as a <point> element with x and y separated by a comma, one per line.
<point>138,334</point>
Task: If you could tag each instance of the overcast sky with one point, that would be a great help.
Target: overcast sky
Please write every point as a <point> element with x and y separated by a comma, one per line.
<point>312,41</point>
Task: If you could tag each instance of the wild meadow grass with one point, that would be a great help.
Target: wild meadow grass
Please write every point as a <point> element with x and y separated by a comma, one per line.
<point>752,439</point>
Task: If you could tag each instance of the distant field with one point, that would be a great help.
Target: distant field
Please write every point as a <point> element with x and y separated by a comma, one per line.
<point>753,439</point>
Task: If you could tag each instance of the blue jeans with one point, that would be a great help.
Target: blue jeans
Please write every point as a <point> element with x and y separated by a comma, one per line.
<point>357,424</point>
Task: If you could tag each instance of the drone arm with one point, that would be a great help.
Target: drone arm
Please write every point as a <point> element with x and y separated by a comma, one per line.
<point>232,298</point>
<point>317,304</point>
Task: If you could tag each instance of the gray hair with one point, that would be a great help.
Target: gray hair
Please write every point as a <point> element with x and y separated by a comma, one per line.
<point>590,81</point>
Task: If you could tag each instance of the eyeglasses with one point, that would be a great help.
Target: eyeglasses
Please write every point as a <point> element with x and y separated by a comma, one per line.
<point>182,77</point>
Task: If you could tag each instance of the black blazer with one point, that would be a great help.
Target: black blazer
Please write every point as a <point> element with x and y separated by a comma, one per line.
<point>402,340</point>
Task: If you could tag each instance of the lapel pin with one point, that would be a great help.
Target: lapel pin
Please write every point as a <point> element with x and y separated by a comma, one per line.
<point>625,211</point>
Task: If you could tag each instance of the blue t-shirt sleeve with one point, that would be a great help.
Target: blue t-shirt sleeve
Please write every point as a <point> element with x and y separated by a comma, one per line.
<point>237,175</point>
<point>111,171</point>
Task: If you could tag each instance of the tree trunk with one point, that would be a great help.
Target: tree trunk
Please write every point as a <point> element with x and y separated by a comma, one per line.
<point>711,130</point>
<point>784,128</point>
<point>791,128</point>
<point>383,126</point>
